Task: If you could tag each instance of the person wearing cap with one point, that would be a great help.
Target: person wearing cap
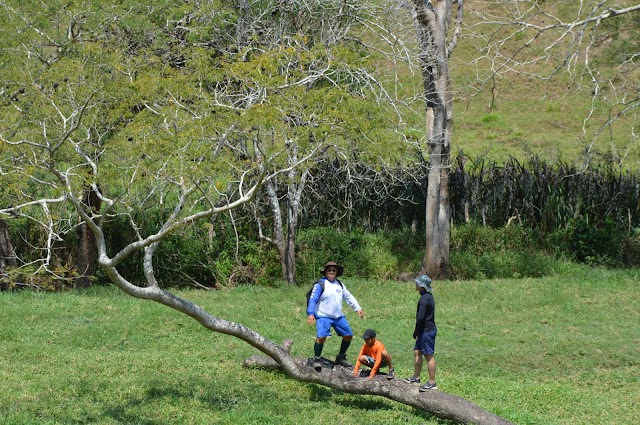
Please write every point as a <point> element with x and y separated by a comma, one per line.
<point>325,310</point>
<point>425,334</point>
<point>374,355</point>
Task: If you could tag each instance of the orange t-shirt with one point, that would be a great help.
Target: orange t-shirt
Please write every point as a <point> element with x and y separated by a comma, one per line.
<point>374,351</point>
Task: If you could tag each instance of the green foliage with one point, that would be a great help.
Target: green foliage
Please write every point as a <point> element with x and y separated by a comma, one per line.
<point>480,252</point>
<point>380,255</point>
<point>501,265</point>
<point>598,245</point>
<point>477,239</point>
<point>55,273</point>
<point>212,255</point>
<point>631,249</point>
<point>57,277</point>
<point>209,255</point>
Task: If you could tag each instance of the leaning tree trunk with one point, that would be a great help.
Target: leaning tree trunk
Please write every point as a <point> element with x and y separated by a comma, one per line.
<point>439,403</point>
<point>432,23</point>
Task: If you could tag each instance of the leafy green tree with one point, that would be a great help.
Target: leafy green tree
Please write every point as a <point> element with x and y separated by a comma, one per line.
<point>162,88</point>
<point>301,70</point>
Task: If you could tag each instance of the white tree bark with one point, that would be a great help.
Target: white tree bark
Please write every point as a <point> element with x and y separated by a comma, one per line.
<point>440,404</point>
<point>432,22</point>
<point>285,217</point>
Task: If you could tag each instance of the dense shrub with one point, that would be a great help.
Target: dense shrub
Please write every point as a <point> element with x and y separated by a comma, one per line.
<point>381,255</point>
<point>478,239</point>
<point>503,264</point>
<point>212,254</point>
<point>508,220</point>
<point>479,252</point>
<point>631,252</point>
<point>476,252</point>
<point>603,244</point>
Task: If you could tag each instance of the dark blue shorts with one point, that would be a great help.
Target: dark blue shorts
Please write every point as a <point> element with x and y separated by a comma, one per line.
<point>324,325</point>
<point>427,342</point>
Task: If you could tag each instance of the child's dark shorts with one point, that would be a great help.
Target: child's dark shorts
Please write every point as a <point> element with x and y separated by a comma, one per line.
<point>427,342</point>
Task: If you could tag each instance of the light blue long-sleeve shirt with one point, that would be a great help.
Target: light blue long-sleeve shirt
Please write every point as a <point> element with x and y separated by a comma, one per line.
<point>328,303</point>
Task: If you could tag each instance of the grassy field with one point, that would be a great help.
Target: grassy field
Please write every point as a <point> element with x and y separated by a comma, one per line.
<point>561,350</point>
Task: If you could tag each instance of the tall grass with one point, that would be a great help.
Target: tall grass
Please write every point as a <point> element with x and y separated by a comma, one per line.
<point>557,350</point>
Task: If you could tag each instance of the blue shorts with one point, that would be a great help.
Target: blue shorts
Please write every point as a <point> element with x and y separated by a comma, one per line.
<point>427,342</point>
<point>324,325</point>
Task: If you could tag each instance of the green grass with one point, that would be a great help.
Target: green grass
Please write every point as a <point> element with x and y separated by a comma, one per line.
<point>558,350</point>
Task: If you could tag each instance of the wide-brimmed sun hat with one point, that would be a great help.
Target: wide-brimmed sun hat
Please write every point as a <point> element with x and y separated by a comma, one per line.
<point>423,281</point>
<point>334,264</point>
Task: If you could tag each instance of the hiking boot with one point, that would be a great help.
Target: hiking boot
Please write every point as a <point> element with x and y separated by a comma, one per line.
<point>391,374</point>
<point>428,386</point>
<point>413,380</point>
<point>317,364</point>
<point>342,361</point>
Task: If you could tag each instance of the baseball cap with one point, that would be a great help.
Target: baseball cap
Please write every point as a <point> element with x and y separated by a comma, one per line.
<point>369,333</point>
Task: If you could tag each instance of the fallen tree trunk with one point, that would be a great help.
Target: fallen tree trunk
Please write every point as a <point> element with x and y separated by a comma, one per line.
<point>438,403</point>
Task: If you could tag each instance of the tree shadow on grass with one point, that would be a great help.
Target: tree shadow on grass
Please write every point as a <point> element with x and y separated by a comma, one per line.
<point>366,403</point>
<point>319,393</point>
<point>135,410</point>
<point>370,403</point>
<point>128,413</point>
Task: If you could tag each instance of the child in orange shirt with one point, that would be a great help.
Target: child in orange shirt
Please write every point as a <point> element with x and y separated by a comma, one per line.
<point>373,355</point>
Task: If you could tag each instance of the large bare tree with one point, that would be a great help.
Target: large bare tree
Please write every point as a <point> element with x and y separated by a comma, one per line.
<point>590,44</point>
<point>433,21</point>
<point>587,48</point>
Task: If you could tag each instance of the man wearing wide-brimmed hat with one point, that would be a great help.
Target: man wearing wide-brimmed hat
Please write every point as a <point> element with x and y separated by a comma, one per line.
<point>325,310</point>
